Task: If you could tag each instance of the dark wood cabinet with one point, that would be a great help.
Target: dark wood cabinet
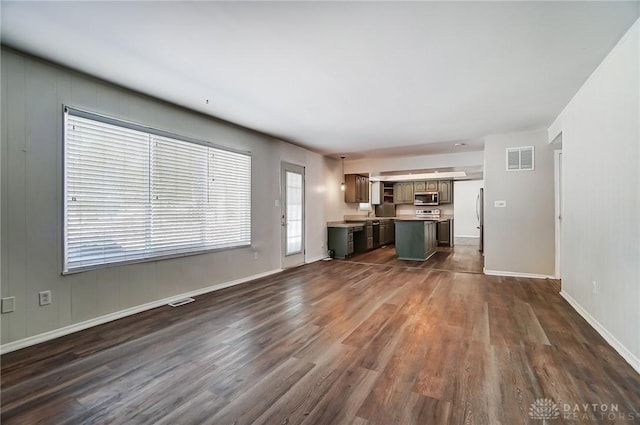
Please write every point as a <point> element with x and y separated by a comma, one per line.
<point>403,193</point>
<point>445,232</point>
<point>340,241</point>
<point>356,188</point>
<point>445,189</point>
<point>387,232</point>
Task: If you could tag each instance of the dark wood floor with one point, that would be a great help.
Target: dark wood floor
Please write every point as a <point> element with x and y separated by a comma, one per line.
<point>336,342</point>
<point>464,257</point>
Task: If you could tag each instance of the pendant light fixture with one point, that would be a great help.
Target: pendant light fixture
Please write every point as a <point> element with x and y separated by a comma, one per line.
<point>342,186</point>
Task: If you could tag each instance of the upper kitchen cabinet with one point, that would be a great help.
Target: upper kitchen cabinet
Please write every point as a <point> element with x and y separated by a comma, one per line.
<point>356,188</point>
<point>431,186</point>
<point>387,193</point>
<point>376,193</point>
<point>445,189</point>
<point>403,193</point>
<point>381,193</point>
<point>420,186</point>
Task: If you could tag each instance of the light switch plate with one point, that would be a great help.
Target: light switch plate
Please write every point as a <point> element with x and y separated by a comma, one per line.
<point>8,304</point>
<point>499,204</point>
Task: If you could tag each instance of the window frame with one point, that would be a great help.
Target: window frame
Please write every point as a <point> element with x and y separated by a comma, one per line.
<point>66,110</point>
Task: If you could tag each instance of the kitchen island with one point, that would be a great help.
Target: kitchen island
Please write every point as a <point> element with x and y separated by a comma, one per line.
<point>415,238</point>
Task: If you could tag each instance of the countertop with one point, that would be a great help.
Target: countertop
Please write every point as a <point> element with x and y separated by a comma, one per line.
<point>361,221</point>
<point>412,218</point>
<point>343,224</point>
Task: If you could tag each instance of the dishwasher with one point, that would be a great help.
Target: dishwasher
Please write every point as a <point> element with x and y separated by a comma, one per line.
<point>376,233</point>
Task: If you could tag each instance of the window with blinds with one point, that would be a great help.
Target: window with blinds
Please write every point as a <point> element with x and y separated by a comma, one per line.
<point>133,193</point>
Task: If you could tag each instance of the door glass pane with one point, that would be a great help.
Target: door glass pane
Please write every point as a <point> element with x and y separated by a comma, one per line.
<point>294,212</point>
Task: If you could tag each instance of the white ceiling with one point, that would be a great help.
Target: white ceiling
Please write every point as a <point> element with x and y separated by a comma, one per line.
<point>339,78</point>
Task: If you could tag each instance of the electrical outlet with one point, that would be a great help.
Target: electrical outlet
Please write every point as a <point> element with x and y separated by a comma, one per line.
<point>8,304</point>
<point>594,287</point>
<point>45,297</point>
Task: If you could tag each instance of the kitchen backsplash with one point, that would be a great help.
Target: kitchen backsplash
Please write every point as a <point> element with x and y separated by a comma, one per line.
<point>411,209</point>
<point>353,210</point>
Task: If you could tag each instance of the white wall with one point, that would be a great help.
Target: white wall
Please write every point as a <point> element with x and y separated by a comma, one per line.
<point>601,187</point>
<point>465,195</point>
<point>519,239</point>
<point>33,93</point>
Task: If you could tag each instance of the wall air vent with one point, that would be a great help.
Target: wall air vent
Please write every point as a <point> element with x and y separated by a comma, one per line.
<point>520,159</point>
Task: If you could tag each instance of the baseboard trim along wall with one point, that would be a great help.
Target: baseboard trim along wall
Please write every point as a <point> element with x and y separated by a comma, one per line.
<point>57,333</point>
<point>466,236</point>
<point>516,274</point>
<point>314,259</point>
<point>612,340</point>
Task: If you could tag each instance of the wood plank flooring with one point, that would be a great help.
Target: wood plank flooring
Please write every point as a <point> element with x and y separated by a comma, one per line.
<point>462,258</point>
<point>336,342</point>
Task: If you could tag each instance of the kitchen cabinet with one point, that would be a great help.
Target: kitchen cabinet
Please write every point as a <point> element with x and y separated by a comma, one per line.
<point>387,231</point>
<point>431,186</point>
<point>403,193</point>
<point>341,240</point>
<point>381,193</point>
<point>415,239</point>
<point>377,190</point>
<point>368,228</point>
<point>383,232</point>
<point>420,186</point>
<point>445,232</point>
<point>387,193</point>
<point>445,188</point>
<point>356,188</point>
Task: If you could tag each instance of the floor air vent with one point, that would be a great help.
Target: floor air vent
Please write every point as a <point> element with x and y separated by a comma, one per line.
<point>183,301</point>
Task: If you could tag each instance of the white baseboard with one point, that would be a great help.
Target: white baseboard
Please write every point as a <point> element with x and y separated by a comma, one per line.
<point>612,340</point>
<point>314,259</point>
<point>66,330</point>
<point>466,236</point>
<point>516,274</point>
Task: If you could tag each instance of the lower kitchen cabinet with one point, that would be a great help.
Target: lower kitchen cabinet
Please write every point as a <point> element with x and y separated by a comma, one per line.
<point>387,232</point>
<point>445,232</point>
<point>415,239</point>
<point>340,241</point>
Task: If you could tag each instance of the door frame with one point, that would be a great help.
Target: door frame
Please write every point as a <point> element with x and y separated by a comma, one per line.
<point>558,201</point>
<point>298,258</point>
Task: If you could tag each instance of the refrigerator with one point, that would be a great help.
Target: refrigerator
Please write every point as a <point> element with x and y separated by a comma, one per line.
<point>480,215</point>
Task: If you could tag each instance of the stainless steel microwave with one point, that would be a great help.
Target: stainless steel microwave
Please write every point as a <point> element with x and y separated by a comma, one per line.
<point>426,198</point>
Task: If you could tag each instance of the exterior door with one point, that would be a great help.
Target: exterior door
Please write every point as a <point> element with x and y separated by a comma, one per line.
<point>292,215</point>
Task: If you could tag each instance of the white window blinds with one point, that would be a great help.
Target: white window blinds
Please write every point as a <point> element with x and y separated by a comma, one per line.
<point>132,194</point>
